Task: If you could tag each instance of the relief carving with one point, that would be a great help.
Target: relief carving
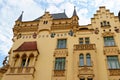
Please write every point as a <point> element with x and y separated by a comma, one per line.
<point>59,73</point>
<point>108,34</point>
<point>60,53</point>
<point>111,50</point>
<point>86,71</point>
<point>114,72</point>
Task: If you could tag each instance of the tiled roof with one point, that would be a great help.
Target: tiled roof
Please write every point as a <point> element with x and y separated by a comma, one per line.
<point>56,16</point>
<point>59,16</point>
<point>27,46</point>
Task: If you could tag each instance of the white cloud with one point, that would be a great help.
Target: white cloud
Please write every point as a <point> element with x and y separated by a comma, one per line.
<point>69,7</point>
<point>53,9</point>
<point>55,1</point>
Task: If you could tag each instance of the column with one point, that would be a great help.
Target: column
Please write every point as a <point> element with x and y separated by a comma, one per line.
<point>33,62</point>
<point>19,62</point>
<point>26,61</point>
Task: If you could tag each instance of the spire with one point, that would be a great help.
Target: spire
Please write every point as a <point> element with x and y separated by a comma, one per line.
<point>74,13</point>
<point>20,17</point>
<point>64,10</point>
<point>45,10</point>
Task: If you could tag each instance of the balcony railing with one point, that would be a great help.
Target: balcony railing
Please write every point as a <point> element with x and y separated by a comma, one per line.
<point>84,47</point>
<point>114,72</point>
<point>59,73</point>
<point>21,70</point>
<point>111,50</point>
<point>61,52</point>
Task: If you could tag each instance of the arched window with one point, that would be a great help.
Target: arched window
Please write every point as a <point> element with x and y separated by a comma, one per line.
<point>30,60</point>
<point>81,57</point>
<point>17,56</point>
<point>88,59</point>
<point>23,60</point>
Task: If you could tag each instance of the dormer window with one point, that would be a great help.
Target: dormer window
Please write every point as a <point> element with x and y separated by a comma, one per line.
<point>45,22</point>
<point>105,23</point>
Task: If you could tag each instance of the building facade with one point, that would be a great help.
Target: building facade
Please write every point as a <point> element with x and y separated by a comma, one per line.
<point>55,47</point>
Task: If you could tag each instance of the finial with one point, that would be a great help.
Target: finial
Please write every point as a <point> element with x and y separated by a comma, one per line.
<point>45,9</point>
<point>74,7</point>
<point>64,10</point>
<point>22,12</point>
<point>74,12</point>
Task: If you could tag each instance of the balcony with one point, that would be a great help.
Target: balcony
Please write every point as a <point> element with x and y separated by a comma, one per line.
<point>84,47</point>
<point>85,70</point>
<point>59,73</point>
<point>114,72</point>
<point>61,52</point>
<point>21,70</point>
<point>111,50</point>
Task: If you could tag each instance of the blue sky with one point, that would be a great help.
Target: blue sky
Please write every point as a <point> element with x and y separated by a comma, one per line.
<point>10,10</point>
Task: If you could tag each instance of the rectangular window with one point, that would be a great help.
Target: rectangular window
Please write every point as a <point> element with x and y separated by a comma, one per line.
<point>82,78</point>
<point>85,40</point>
<point>81,40</point>
<point>89,79</point>
<point>109,41</point>
<point>113,62</point>
<point>60,64</point>
<point>61,43</point>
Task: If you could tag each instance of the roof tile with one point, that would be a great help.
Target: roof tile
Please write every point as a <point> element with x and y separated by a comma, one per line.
<point>27,46</point>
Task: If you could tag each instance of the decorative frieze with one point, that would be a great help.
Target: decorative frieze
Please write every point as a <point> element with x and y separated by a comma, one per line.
<point>111,50</point>
<point>84,47</point>
<point>61,26</point>
<point>108,34</point>
<point>61,52</point>
<point>20,70</point>
<point>59,73</point>
<point>114,72</point>
<point>86,70</point>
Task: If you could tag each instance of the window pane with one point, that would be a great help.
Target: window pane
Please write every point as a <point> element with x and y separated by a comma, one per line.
<point>109,41</point>
<point>59,63</point>
<point>88,60</point>
<point>113,62</point>
<point>23,62</point>
<point>80,40</point>
<point>61,43</point>
<point>89,79</point>
<point>81,60</point>
<point>82,78</point>
<point>87,41</point>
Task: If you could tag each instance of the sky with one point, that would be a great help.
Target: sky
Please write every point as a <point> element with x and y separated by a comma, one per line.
<point>10,10</point>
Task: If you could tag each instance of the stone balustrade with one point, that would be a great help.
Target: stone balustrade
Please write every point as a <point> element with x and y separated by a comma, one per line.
<point>84,47</point>
<point>114,72</point>
<point>111,50</point>
<point>61,52</point>
<point>21,70</point>
<point>58,73</point>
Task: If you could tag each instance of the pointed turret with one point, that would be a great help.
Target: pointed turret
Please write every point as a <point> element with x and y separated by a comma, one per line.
<point>74,12</point>
<point>20,17</point>
<point>75,16</point>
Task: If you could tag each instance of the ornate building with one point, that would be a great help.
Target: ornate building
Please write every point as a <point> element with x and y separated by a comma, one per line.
<point>55,47</point>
